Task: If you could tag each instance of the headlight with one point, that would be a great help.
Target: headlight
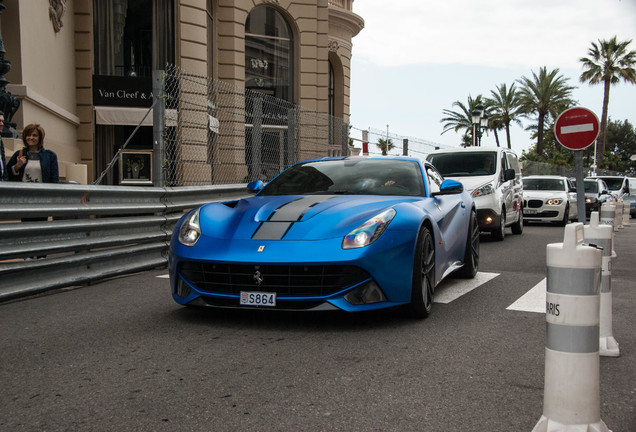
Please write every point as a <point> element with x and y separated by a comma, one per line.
<point>486,189</point>
<point>554,201</point>
<point>369,231</point>
<point>590,200</point>
<point>190,229</point>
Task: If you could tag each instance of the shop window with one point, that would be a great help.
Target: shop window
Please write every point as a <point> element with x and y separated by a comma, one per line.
<point>133,36</point>
<point>269,53</point>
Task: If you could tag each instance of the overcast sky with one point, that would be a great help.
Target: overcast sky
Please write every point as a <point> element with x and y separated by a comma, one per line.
<point>414,58</point>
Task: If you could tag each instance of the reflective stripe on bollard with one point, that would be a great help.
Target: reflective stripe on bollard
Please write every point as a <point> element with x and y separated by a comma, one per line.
<point>571,398</point>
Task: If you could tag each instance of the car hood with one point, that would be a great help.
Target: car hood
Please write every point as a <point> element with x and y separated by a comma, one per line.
<point>473,182</point>
<point>534,194</point>
<point>292,217</point>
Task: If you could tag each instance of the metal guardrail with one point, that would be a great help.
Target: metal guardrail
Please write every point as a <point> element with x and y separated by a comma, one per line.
<point>89,232</point>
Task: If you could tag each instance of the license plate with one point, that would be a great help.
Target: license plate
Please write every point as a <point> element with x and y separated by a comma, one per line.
<point>257,298</point>
<point>528,211</point>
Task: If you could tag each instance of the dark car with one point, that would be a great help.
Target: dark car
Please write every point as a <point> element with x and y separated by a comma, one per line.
<point>596,193</point>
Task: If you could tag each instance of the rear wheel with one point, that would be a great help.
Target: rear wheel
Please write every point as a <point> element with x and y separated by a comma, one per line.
<point>471,256</point>
<point>517,227</point>
<point>423,276</point>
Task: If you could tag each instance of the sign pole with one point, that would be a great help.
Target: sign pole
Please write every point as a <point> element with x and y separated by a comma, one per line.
<point>580,188</point>
<point>576,129</point>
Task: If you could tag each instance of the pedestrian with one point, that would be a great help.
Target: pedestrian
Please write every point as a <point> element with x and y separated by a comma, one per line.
<point>33,163</point>
<point>3,164</point>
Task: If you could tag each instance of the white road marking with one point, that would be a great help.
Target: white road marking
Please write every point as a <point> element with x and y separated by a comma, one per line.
<point>532,301</point>
<point>452,289</point>
<point>164,276</point>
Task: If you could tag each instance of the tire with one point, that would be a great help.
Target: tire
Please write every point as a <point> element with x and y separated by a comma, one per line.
<point>517,227</point>
<point>423,284</point>
<point>500,232</point>
<point>566,216</point>
<point>471,256</point>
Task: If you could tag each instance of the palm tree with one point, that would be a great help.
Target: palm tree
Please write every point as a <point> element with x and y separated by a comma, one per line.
<point>608,62</point>
<point>462,119</point>
<point>504,108</point>
<point>546,95</point>
<point>385,146</point>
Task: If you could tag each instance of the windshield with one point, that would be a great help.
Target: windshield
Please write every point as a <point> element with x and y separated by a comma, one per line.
<point>543,184</point>
<point>613,183</point>
<point>350,177</point>
<point>458,164</point>
<point>591,187</point>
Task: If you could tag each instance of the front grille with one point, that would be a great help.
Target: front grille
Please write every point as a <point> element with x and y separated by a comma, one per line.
<point>284,280</point>
<point>533,203</point>
<point>543,214</point>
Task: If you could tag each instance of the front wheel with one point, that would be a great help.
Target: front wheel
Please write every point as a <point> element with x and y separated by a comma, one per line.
<point>566,216</point>
<point>423,276</point>
<point>471,256</point>
<point>499,233</point>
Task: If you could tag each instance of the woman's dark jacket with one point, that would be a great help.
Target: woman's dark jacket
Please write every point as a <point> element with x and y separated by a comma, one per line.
<point>48,161</point>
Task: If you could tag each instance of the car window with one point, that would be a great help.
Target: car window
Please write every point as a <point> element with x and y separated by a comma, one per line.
<point>513,162</point>
<point>349,177</point>
<point>435,179</point>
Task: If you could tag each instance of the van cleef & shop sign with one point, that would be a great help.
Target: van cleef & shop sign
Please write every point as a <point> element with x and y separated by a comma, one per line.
<point>122,91</point>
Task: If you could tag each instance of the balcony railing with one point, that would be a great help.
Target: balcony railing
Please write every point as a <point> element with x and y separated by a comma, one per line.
<point>343,4</point>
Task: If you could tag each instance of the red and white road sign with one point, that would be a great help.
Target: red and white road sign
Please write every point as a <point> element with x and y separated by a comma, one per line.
<point>576,128</point>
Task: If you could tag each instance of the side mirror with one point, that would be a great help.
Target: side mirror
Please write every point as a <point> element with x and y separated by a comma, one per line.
<point>509,174</point>
<point>449,187</point>
<point>255,186</point>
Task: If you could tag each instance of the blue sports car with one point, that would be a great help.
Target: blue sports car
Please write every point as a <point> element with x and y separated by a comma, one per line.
<point>349,233</point>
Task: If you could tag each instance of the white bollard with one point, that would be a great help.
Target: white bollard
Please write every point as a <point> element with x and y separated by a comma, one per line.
<point>608,213</point>
<point>602,236</point>
<point>619,215</point>
<point>608,217</point>
<point>571,396</point>
<point>626,215</point>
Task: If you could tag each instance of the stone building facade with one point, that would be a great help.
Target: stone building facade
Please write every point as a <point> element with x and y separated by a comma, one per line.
<point>78,67</point>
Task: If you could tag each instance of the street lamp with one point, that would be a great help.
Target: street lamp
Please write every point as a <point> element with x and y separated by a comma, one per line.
<point>480,121</point>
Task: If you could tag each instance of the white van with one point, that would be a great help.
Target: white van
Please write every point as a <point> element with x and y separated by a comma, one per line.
<point>618,185</point>
<point>493,176</point>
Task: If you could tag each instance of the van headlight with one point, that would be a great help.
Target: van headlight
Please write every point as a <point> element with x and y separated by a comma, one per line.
<point>369,231</point>
<point>486,189</point>
<point>190,230</point>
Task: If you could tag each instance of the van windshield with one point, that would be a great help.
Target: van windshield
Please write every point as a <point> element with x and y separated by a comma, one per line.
<point>467,164</point>
<point>613,183</point>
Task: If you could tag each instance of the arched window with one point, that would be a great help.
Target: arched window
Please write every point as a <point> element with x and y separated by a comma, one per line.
<point>269,53</point>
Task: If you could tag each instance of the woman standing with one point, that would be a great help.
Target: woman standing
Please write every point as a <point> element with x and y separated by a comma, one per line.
<point>33,163</point>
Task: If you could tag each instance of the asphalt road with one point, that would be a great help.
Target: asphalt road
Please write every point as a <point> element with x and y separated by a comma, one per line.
<point>121,355</point>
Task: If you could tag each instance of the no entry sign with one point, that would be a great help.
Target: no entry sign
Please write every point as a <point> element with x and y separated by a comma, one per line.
<point>576,128</point>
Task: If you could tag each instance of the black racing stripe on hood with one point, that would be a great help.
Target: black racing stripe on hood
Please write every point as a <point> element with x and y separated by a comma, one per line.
<point>294,210</point>
<point>282,219</point>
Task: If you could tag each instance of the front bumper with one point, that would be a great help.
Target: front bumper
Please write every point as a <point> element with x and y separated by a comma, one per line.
<point>315,275</point>
<point>488,220</point>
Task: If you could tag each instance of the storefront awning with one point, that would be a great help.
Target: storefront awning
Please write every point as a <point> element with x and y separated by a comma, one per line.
<point>130,116</point>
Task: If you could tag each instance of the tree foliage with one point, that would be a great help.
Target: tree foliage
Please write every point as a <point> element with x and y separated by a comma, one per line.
<point>461,120</point>
<point>504,108</point>
<point>607,63</point>
<point>385,146</point>
<point>545,95</point>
